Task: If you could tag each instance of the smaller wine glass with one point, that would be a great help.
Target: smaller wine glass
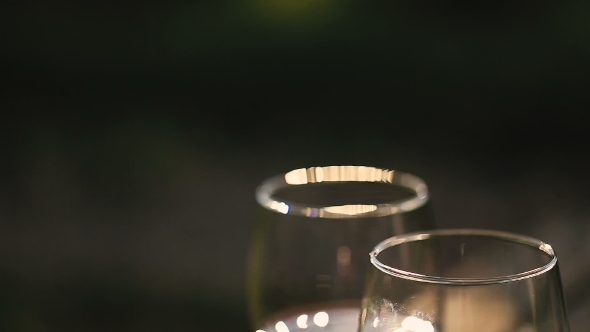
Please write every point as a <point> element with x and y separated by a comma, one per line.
<point>463,281</point>
<point>307,263</point>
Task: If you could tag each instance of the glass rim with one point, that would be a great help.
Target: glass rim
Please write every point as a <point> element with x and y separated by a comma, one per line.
<point>342,174</point>
<point>499,235</point>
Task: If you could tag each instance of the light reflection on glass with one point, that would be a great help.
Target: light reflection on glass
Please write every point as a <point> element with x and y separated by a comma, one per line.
<point>547,248</point>
<point>376,322</point>
<point>302,321</point>
<point>321,319</point>
<point>338,173</point>
<point>279,206</point>
<point>281,327</point>
<point>351,209</point>
<point>416,324</point>
<point>297,176</point>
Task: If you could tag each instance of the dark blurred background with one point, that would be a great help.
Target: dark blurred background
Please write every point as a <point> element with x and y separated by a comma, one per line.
<point>134,136</point>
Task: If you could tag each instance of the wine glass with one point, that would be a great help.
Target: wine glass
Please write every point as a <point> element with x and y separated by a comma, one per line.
<point>307,263</point>
<point>463,280</point>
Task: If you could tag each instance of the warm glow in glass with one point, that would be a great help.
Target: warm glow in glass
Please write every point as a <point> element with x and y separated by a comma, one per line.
<point>315,227</point>
<point>463,281</point>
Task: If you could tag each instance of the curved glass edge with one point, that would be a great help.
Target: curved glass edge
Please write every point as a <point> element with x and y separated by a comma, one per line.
<point>342,174</point>
<point>419,236</point>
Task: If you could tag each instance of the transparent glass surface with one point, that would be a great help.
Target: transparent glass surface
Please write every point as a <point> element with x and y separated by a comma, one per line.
<point>315,226</point>
<point>463,280</point>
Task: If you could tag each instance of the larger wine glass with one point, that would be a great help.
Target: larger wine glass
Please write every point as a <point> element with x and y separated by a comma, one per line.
<point>315,226</point>
<point>463,281</point>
